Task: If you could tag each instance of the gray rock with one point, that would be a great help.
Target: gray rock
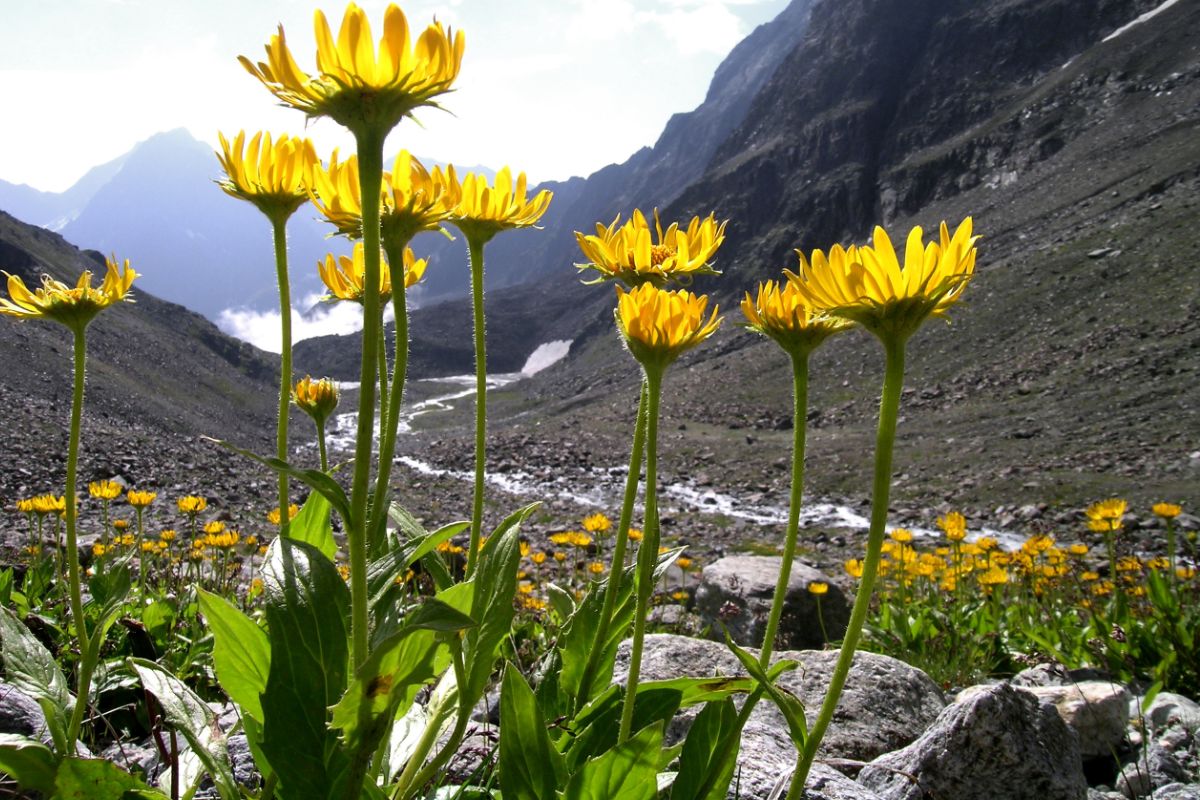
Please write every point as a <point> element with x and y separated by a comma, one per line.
<point>1177,791</point>
<point>1169,709</point>
<point>135,757</point>
<point>1152,769</point>
<point>20,713</point>
<point>737,591</point>
<point>1096,794</point>
<point>885,703</point>
<point>1097,711</point>
<point>1003,745</point>
<point>478,752</point>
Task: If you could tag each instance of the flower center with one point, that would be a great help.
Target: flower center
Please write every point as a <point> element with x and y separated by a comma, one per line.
<point>660,253</point>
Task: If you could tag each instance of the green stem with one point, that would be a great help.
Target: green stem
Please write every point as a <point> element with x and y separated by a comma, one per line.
<point>383,377</point>
<point>86,656</point>
<point>885,439</point>
<point>799,431</point>
<point>616,571</point>
<point>322,449</point>
<point>387,442</point>
<point>370,175</point>
<point>141,554</point>
<point>414,775</point>
<point>475,248</point>
<point>648,553</point>
<point>279,227</point>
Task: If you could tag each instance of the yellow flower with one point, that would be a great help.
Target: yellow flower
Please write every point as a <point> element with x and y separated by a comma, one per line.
<point>1078,549</point>
<point>1106,515</point>
<point>104,490</point>
<point>854,568</point>
<point>318,399</point>
<point>596,523</point>
<point>1185,573</point>
<point>214,527</point>
<point>344,276</point>
<point>560,538</point>
<point>679,596</point>
<point>274,176</point>
<point>98,550</point>
<point>781,311</point>
<point>273,516</point>
<point>868,285</point>
<point>818,588</point>
<point>684,563</point>
<point>140,499</point>
<point>25,506</point>
<point>635,534</point>
<point>1166,510</point>
<point>482,211</point>
<point>120,524</point>
<point>73,306</point>
<point>191,504</point>
<point>987,544</point>
<point>901,535</point>
<point>595,567</point>
<point>658,325</point>
<point>412,199</point>
<point>560,556</point>
<point>993,576</point>
<point>579,539</point>
<point>954,525</point>
<point>353,85</point>
<point>629,253</point>
<point>538,558</point>
<point>168,535</point>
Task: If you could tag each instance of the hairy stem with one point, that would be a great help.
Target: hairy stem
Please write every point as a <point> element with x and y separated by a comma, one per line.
<point>87,658</point>
<point>279,229</point>
<point>475,247</point>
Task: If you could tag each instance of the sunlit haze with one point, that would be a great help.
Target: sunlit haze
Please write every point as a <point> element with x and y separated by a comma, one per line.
<point>552,87</point>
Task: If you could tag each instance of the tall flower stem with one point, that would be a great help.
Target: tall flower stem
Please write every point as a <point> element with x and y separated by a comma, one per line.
<point>87,659</point>
<point>475,245</point>
<point>617,568</point>
<point>279,229</point>
<point>648,553</point>
<point>885,438</point>
<point>321,448</point>
<point>370,174</point>
<point>381,368</point>
<point>387,442</point>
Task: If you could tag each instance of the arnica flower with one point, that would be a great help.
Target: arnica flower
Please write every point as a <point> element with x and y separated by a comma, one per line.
<point>627,252</point>
<point>356,87</point>
<point>596,523</point>
<point>1166,510</point>
<point>121,524</point>
<point>274,517</point>
<point>781,311</point>
<point>74,306</point>
<point>344,276</point>
<point>140,499</point>
<point>412,199</point>
<point>482,211</point>
<point>818,588</point>
<point>867,284</point>
<point>317,398</point>
<point>954,525</point>
<point>854,567</point>
<point>25,505</point>
<point>214,527</point>
<point>274,176</point>
<point>901,535</point>
<point>105,490</point>
<point>658,325</point>
<point>1106,515</point>
<point>191,504</point>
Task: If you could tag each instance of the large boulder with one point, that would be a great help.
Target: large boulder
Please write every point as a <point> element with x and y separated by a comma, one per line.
<point>1098,711</point>
<point>885,704</point>
<point>1169,709</point>
<point>737,592</point>
<point>995,743</point>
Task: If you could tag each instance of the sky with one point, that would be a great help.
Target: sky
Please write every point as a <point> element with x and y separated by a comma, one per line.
<point>551,87</point>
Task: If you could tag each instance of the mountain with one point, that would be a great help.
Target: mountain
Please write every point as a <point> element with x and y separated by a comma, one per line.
<point>158,376</point>
<point>54,210</point>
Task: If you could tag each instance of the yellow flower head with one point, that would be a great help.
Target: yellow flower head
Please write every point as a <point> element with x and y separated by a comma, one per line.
<point>854,568</point>
<point>318,399</point>
<point>538,557</point>
<point>1078,549</point>
<point>482,211</point>
<point>679,596</point>
<point>867,284</point>
<point>191,504</point>
<point>355,86</point>
<point>901,535</point>
<point>595,567</point>
<point>412,199</point>
<point>274,176</point>
<point>635,534</point>
<point>167,535</point>
<point>628,252</point>
<point>560,556</point>
<point>781,312</point>
<point>993,576</point>
<point>1166,510</point>
<point>214,527</point>
<point>140,499</point>
<point>596,523</point>
<point>120,524</point>
<point>1106,515</point>
<point>273,516</point>
<point>98,550</point>
<point>658,325</point>
<point>954,525</point>
<point>105,490</point>
<point>73,306</point>
<point>344,275</point>
<point>818,588</point>
<point>25,505</point>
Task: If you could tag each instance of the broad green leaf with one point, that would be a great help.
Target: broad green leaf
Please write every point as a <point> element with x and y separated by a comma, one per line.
<point>30,763</point>
<point>562,602</point>
<point>530,767</point>
<point>110,588</point>
<point>313,525</point>
<point>693,691</point>
<point>701,754</point>
<point>241,653</point>
<point>598,727</point>
<point>30,667</point>
<point>383,571</point>
<point>93,779</point>
<point>312,478</point>
<point>191,716</point>
<point>6,586</point>
<point>789,705</point>
<point>626,772</point>
<point>308,608</point>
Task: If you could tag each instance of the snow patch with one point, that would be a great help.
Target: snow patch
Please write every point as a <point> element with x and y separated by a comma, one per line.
<point>1149,14</point>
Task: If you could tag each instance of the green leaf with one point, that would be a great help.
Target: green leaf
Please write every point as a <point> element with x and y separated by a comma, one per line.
<point>30,763</point>
<point>530,767</point>
<point>93,779</point>
<point>241,652</point>
<point>31,668</point>
<point>599,725</point>
<point>307,606</point>
<point>693,691</point>
<point>562,602</point>
<point>789,705</point>
<point>110,588</point>
<point>314,479</point>
<point>6,586</point>
<point>313,526</point>
<point>626,772</point>
<point>191,716</point>
<point>700,754</point>
<point>383,571</point>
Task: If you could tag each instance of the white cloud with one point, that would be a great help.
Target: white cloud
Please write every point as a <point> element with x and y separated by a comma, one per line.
<point>698,26</point>
<point>261,328</point>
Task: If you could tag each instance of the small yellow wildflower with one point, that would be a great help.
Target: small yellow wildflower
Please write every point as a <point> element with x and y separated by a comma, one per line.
<point>191,504</point>
<point>595,567</point>
<point>818,588</point>
<point>1167,510</point>
<point>635,534</point>
<point>901,535</point>
<point>1106,515</point>
<point>854,568</point>
<point>954,525</point>
<point>596,523</point>
<point>273,516</point>
<point>104,490</point>
<point>121,524</point>
<point>140,499</point>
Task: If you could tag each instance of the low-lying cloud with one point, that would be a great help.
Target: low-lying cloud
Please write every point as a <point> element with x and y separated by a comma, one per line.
<point>311,318</point>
